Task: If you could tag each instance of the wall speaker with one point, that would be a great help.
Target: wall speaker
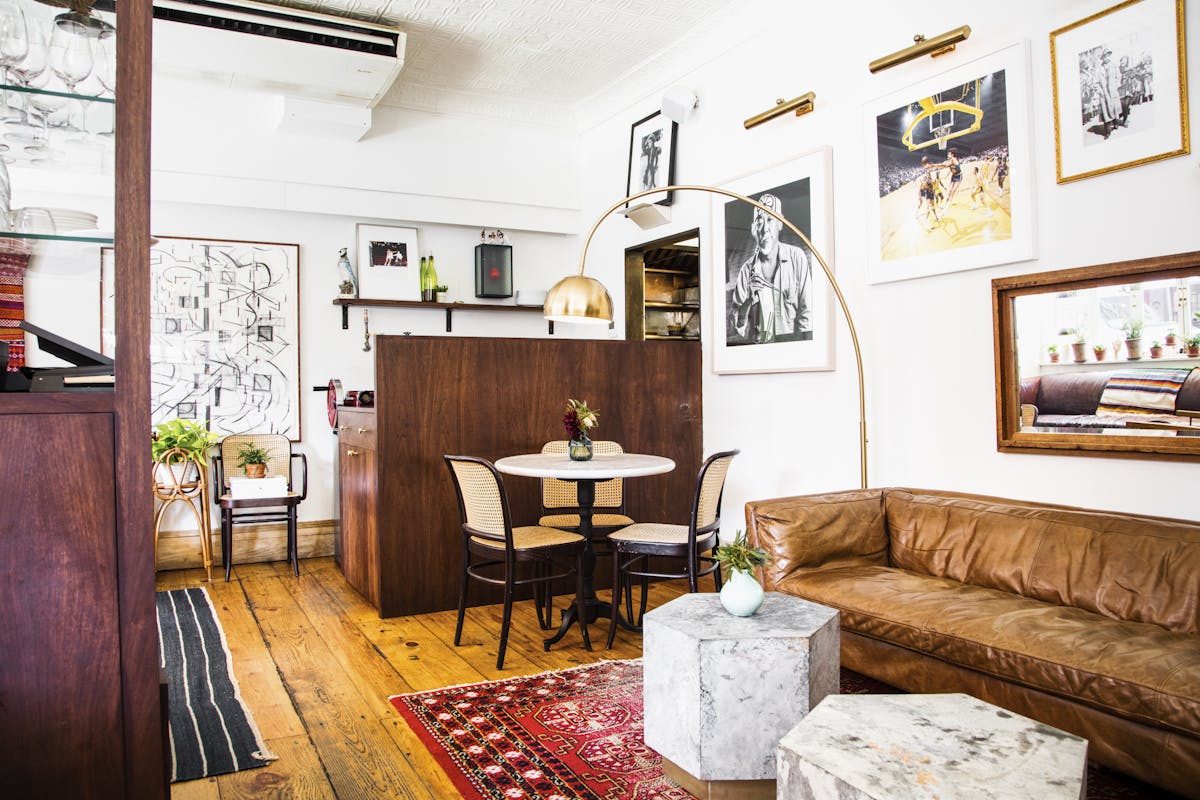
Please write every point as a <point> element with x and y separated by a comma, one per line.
<point>493,270</point>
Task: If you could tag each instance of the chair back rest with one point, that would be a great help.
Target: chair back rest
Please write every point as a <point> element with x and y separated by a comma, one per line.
<point>710,486</point>
<point>279,454</point>
<point>481,499</point>
<point>562,494</point>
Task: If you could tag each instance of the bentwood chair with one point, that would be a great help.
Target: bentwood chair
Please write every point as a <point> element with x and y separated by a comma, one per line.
<point>493,549</point>
<point>560,503</point>
<point>634,545</point>
<point>242,510</point>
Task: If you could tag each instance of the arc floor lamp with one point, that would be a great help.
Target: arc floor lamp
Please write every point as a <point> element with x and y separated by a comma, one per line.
<point>579,298</point>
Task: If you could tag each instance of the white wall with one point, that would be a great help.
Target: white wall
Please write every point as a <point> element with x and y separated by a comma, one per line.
<point>927,342</point>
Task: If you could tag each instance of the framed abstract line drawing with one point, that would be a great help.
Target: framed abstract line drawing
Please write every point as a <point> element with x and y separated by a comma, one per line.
<point>1120,89</point>
<point>388,265</point>
<point>772,303</point>
<point>950,163</point>
<point>224,333</point>
<point>652,157</point>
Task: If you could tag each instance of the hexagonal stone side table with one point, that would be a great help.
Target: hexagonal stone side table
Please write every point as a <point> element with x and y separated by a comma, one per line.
<point>721,691</point>
<point>910,746</point>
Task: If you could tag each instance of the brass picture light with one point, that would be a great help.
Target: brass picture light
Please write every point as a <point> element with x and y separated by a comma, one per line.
<point>578,298</point>
<point>938,45</point>
<point>801,105</point>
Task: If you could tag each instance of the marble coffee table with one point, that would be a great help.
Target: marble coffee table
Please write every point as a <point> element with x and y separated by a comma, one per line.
<point>720,691</point>
<point>910,746</point>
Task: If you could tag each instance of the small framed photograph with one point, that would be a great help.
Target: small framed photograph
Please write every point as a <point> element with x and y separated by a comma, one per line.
<point>1120,89</point>
<point>772,302</point>
<point>950,165</point>
<point>652,158</point>
<point>389,263</point>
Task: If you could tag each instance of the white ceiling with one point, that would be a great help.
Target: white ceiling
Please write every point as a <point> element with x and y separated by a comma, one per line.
<point>532,60</point>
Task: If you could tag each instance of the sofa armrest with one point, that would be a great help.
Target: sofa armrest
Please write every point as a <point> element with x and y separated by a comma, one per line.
<point>819,530</point>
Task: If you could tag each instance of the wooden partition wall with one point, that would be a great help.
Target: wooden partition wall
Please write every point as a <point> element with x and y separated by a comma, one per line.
<point>500,397</point>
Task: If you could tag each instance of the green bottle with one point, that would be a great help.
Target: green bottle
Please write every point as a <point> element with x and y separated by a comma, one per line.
<point>426,283</point>
<point>433,280</point>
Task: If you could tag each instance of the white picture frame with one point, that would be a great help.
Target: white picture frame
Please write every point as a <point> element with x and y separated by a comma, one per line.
<point>1120,89</point>
<point>981,108</point>
<point>804,188</point>
<point>388,262</point>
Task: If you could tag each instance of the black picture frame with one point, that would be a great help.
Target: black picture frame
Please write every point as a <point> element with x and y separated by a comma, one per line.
<point>651,157</point>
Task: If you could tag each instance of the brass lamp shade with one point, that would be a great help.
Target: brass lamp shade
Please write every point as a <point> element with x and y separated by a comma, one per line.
<point>578,298</point>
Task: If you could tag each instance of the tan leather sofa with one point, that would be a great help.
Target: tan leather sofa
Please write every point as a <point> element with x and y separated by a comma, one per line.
<point>1086,620</point>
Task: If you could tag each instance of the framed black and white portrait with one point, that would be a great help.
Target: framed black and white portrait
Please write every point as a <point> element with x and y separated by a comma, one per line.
<point>772,303</point>
<point>1120,89</point>
<point>652,157</point>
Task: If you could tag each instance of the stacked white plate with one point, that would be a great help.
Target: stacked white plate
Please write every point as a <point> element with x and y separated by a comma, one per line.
<point>70,219</point>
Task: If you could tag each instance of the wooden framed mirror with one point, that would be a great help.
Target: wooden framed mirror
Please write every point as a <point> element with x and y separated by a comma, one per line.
<point>1077,369</point>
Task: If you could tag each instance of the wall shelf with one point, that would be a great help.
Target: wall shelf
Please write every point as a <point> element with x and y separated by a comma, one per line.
<point>450,308</point>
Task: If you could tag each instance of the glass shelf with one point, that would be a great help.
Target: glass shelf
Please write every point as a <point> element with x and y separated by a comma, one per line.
<point>91,238</point>
<point>87,98</point>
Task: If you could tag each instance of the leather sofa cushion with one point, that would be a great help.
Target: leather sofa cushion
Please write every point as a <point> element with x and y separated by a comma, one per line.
<point>1135,670</point>
<point>1071,392</point>
<point>1124,566</point>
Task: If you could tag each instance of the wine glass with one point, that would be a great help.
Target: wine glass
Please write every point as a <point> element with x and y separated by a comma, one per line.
<point>14,44</point>
<point>105,52</point>
<point>28,70</point>
<point>70,52</point>
<point>46,104</point>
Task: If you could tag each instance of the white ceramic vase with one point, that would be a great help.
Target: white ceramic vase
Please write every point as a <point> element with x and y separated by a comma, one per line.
<point>741,595</point>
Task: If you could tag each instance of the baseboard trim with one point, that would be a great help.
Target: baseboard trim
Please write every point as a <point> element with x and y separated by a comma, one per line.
<point>251,544</point>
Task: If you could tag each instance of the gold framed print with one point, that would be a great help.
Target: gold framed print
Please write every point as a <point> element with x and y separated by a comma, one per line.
<point>1120,89</point>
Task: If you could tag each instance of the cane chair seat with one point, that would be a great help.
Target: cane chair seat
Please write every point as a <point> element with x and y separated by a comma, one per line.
<point>530,537</point>
<point>572,520</point>
<point>652,532</point>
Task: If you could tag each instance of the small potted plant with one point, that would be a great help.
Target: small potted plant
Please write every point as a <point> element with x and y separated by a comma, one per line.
<point>579,421</point>
<point>741,595</point>
<point>186,435</point>
<point>1156,349</point>
<point>1099,351</point>
<point>1169,341</point>
<point>253,460</point>
<point>1133,338</point>
<point>1193,347</point>
<point>1052,351</point>
<point>1078,347</point>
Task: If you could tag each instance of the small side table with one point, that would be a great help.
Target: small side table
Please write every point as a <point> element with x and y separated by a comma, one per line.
<point>720,691</point>
<point>917,746</point>
<point>180,478</point>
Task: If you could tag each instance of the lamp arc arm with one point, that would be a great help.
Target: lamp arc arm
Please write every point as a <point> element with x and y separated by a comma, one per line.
<point>837,290</point>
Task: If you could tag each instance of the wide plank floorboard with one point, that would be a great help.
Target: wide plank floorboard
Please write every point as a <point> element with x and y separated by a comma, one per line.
<point>316,665</point>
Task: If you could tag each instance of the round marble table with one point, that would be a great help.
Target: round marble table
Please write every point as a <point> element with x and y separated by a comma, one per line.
<point>584,474</point>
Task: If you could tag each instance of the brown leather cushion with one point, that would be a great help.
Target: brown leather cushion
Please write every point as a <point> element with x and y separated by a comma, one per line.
<point>1188,398</point>
<point>1124,566</point>
<point>1071,392</point>
<point>1138,671</point>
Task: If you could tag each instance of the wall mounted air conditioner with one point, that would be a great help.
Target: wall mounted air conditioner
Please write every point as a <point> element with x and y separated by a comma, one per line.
<point>251,45</point>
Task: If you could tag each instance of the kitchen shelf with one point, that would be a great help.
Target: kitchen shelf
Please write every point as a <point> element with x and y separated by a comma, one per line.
<point>57,237</point>
<point>652,305</point>
<point>450,308</point>
<point>87,98</point>
<point>662,271</point>
<point>672,337</point>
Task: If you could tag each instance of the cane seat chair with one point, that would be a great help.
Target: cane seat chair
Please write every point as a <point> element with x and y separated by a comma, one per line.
<point>243,510</point>
<point>560,503</point>
<point>635,544</point>
<point>493,550</point>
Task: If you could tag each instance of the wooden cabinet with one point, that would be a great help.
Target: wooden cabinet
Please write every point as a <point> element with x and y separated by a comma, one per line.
<point>79,689</point>
<point>356,546</point>
<point>662,289</point>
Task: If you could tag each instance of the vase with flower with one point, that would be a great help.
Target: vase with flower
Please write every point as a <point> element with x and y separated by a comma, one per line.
<point>579,421</point>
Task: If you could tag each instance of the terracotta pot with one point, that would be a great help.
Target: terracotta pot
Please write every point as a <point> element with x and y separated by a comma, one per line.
<point>1169,341</point>
<point>1099,354</point>
<point>1078,352</point>
<point>1193,352</point>
<point>1133,347</point>
<point>256,470</point>
<point>1156,352</point>
<point>1054,358</point>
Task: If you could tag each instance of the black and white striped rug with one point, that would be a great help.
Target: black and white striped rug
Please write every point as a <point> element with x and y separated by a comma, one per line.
<point>212,731</point>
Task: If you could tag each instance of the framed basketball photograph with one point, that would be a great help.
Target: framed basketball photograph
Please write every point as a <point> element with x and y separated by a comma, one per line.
<point>1120,89</point>
<point>951,169</point>
<point>651,157</point>
<point>389,263</point>
<point>772,302</point>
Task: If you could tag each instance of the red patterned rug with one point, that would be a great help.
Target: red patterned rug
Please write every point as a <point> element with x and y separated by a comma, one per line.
<point>577,734</point>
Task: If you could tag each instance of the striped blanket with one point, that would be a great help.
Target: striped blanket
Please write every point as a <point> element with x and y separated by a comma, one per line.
<point>12,305</point>
<point>1142,391</point>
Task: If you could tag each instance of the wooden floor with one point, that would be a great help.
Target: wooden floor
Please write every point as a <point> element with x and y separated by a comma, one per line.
<point>316,666</point>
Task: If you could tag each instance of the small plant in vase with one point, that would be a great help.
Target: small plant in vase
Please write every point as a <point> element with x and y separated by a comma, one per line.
<point>1079,346</point>
<point>1099,351</point>
<point>579,422</point>
<point>1169,340</point>
<point>1133,339</point>
<point>1156,349</point>
<point>1052,351</point>
<point>741,595</point>
<point>253,460</point>
<point>191,441</point>
<point>1193,347</point>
